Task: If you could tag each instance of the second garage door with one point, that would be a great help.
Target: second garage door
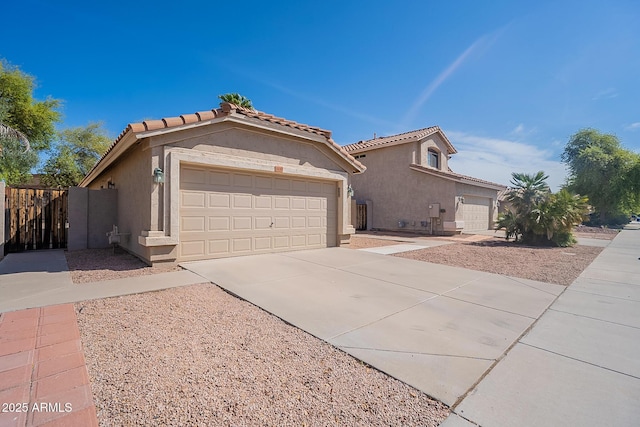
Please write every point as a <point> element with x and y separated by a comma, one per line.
<point>227,213</point>
<point>475,213</point>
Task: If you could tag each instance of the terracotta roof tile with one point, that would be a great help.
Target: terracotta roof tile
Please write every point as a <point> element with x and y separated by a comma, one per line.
<point>154,124</point>
<point>189,118</point>
<point>172,121</point>
<point>135,127</point>
<point>225,110</point>
<point>410,136</point>
<point>206,115</point>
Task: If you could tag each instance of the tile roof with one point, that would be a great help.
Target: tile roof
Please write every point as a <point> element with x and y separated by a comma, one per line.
<point>456,176</point>
<point>226,109</point>
<point>401,138</point>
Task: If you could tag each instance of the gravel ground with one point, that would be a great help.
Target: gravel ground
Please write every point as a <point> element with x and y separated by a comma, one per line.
<point>553,265</point>
<point>360,242</point>
<point>93,265</point>
<point>596,232</point>
<point>199,356</point>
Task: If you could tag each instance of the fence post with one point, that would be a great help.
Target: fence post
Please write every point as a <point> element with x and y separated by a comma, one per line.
<point>2,214</point>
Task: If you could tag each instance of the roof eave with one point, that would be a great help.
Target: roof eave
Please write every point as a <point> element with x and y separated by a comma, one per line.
<point>455,178</point>
<point>126,141</point>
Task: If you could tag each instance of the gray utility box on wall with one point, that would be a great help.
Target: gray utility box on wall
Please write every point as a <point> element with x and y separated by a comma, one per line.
<point>434,210</point>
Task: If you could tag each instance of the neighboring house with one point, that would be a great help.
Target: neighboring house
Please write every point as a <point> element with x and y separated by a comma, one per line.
<point>408,186</point>
<point>236,182</point>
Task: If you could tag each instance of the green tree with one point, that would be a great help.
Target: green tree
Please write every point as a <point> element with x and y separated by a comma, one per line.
<point>26,125</point>
<point>538,216</point>
<point>236,99</point>
<point>16,161</point>
<point>74,154</point>
<point>600,168</point>
<point>21,115</point>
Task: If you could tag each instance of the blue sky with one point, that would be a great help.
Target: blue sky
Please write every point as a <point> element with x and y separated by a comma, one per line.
<point>509,82</point>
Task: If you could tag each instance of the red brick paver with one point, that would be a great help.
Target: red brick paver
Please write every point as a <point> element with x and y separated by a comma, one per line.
<point>43,376</point>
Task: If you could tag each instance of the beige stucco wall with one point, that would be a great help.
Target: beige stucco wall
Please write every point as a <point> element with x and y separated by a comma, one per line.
<point>436,143</point>
<point>399,193</point>
<point>132,175</point>
<point>230,139</point>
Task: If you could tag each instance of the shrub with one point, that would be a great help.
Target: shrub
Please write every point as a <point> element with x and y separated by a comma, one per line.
<point>539,216</point>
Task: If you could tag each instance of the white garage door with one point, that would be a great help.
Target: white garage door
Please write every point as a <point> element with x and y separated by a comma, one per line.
<point>475,213</point>
<point>228,213</point>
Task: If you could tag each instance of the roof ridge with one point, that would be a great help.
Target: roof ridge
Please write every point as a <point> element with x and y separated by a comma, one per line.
<point>225,109</point>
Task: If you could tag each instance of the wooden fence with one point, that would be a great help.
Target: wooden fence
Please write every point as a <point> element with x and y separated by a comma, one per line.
<point>35,219</point>
<point>361,217</point>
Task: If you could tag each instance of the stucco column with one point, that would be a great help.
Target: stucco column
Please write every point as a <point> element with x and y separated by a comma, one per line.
<point>2,236</point>
<point>157,191</point>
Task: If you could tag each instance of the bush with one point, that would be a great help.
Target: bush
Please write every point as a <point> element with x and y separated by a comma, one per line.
<point>540,217</point>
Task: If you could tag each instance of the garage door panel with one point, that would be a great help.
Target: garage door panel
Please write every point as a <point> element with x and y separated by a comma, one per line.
<point>314,203</point>
<point>220,246</point>
<point>298,222</point>
<point>263,182</point>
<point>242,244</point>
<point>219,178</point>
<point>315,222</point>
<point>193,248</point>
<point>263,223</point>
<point>262,243</point>
<point>242,180</point>
<point>299,241</point>
<point>280,222</point>
<point>193,199</point>
<point>234,213</point>
<point>241,223</point>
<point>314,187</point>
<point>219,223</point>
<point>242,201</point>
<point>217,200</point>
<point>282,202</point>
<point>193,176</point>
<point>262,202</point>
<point>300,186</point>
<point>192,223</point>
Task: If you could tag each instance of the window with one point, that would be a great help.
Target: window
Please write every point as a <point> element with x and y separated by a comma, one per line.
<point>433,158</point>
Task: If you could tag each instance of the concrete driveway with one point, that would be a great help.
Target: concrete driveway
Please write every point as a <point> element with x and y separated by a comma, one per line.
<point>436,327</point>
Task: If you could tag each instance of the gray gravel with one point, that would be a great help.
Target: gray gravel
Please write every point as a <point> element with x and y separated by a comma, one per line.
<point>199,356</point>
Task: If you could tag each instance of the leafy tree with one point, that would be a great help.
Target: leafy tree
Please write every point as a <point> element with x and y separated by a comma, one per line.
<point>20,115</point>
<point>236,99</point>
<point>75,153</point>
<point>26,125</point>
<point>16,161</point>
<point>538,216</point>
<point>604,171</point>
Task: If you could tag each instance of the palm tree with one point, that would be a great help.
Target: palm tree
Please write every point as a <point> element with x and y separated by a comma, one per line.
<point>236,99</point>
<point>539,216</point>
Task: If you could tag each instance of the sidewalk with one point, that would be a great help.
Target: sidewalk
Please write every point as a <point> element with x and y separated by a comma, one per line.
<point>41,278</point>
<point>579,364</point>
<point>43,377</point>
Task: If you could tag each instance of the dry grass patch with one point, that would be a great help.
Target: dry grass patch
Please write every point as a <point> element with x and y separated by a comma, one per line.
<point>552,265</point>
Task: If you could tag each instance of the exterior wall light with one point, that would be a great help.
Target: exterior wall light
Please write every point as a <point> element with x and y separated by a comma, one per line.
<point>461,199</point>
<point>350,191</point>
<point>158,176</point>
